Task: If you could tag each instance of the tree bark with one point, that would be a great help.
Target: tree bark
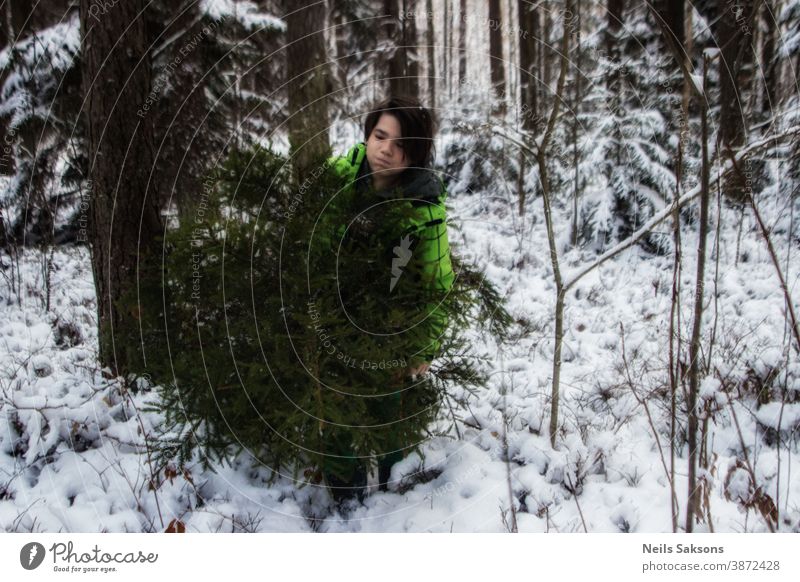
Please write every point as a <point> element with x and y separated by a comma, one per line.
<point>527,17</point>
<point>614,80</point>
<point>462,42</point>
<point>769,102</point>
<point>7,164</point>
<point>735,67</point>
<point>545,52</point>
<point>430,37</point>
<point>693,504</point>
<point>672,14</point>
<point>448,42</point>
<point>401,33</point>
<point>498,74</point>
<point>541,158</point>
<point>309,84</point>
<point>576,105</point>
<point>529,71</point>
<point>672,20</point>
<point>614,19</point>
<point>125,220</point>
<point>409,52</point>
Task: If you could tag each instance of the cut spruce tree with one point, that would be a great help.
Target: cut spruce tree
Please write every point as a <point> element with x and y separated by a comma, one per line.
<point>287,322</point>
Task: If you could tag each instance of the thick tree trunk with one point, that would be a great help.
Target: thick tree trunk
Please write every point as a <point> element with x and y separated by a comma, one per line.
<point>341,30</point>
<point>672,13</point>
<point>498,74</point>
<point>409,52</point>
<point>546,54</point>
<point>614,19</point>
<point>391,28</point>
<point>735,35</point>
<point>125,219</point>
<point>309,84</point>
<point>769,101</point>
<point>614,83</point>
<point>401,33</point>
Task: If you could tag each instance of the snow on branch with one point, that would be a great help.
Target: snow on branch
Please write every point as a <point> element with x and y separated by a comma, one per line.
<point>245,12</point>
<point>667,211</point>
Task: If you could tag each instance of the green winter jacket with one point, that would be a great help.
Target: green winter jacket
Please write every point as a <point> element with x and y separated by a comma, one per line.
<point>428,225</point>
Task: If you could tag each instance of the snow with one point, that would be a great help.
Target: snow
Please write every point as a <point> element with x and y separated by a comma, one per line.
<point>54,47</point>
<point>697,80</point>
<point>788,414</point>
<point>72,444</point>
<point>79,464</point>
<point>245,12</point>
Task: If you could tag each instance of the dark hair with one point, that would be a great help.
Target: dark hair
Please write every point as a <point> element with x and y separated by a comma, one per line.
<point>417,127</point>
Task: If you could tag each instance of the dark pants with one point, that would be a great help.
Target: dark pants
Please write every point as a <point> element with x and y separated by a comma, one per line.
<point>344,472</point>
<point>355,486</point>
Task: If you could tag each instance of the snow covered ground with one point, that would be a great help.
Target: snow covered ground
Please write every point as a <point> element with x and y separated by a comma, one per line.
<point>71,446</point>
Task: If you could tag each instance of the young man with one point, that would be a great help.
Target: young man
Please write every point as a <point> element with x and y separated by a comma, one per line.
<point>394,164</point>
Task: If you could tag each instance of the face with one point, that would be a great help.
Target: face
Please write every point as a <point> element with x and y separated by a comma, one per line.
<point>385,151</point>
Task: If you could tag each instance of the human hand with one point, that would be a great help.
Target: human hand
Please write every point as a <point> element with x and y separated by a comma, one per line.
<point>416,372</point>
<point>413,372</point>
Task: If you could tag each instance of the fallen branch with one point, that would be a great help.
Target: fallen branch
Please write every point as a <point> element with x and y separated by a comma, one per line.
<point>666,212</point>
<point>659,217</point>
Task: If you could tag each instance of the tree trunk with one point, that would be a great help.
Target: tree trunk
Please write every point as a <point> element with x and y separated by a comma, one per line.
<point>693,504</point>
<point>408,52</point>
<point>576,105</point>
<point>614,81</point>
<point>770,63</point>
<point>526,16</point>
<point>672,13</point>
<point>7,164</point>
<point>450,47</point>
<point>462,42</point>
<point>528,24</point>
<point>341,50</point>
<point>498,74</point>
<point>395,70</point>
<point>125,219</point>
<point>614,25</point>
<point>735,67</point>
<point>541,159</point>
<point>447,37</point>
<point>20,18</point>
<point>401,34</point>
<point>309,84</point>
<point>673,35</point>
<point>430,38</point>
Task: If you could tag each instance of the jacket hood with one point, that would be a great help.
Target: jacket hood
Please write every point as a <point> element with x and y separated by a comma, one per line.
<point>417,183</point>
<point>422,183</point>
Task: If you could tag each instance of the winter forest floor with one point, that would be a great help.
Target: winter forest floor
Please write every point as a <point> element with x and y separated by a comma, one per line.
<point>71,447</point>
